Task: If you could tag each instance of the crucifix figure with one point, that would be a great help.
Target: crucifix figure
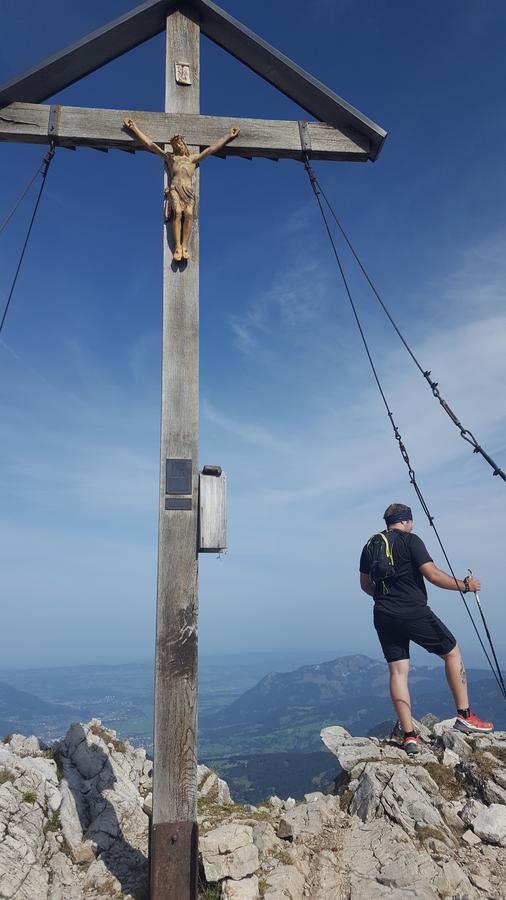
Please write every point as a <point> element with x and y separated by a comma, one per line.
<point>339,133</point>
<point>179,194</point>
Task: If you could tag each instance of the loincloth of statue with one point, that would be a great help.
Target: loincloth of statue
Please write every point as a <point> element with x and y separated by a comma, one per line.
<point>178,199</point>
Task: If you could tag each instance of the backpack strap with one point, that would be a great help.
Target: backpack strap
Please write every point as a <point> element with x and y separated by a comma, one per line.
<point>388,548</point>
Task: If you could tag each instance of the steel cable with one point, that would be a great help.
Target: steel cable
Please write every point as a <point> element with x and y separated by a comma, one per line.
<point>46,162</point>
<point>20,199</point>
<point>464,432</point>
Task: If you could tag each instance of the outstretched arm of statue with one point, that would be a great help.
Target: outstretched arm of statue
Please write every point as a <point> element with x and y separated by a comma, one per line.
<point>148,143</point>
<point>214,148</point>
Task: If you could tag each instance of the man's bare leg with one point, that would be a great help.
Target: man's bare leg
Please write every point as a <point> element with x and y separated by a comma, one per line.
<point>399,692</point>
<point>456,677</point>
<point>176,231</point>
<point>187,227</point>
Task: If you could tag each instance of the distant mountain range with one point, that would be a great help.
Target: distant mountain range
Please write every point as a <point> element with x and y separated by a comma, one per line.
<point>268,740</point>
<point>261,735</point>
<point>19,709</point>
<point>286,711</point>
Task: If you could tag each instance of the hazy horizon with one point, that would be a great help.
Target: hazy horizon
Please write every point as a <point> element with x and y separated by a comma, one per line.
<point>301,657</point>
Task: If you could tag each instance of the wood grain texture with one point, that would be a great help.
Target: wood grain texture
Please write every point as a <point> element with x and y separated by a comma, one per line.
<point>103,128</point>
<point>175,745</point>
<point>213,513</point>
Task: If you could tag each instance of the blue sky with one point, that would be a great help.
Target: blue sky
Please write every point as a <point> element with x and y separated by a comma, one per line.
<point>288,407</point>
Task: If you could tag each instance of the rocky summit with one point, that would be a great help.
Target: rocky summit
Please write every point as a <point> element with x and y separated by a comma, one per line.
<point>74,821</point>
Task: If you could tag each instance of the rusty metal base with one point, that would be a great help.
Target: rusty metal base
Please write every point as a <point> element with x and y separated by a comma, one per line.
<point>174,861</point>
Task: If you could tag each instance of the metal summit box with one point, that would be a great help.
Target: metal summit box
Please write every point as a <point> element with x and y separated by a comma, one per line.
<point>212,510</point>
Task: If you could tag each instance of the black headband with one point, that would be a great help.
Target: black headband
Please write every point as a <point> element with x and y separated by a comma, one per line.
<point>405,516</point>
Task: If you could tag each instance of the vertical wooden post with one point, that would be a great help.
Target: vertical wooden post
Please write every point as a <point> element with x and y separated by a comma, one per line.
<point>174,837</point>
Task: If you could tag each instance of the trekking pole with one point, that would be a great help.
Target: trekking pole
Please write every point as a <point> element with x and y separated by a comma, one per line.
<point>476,594</point>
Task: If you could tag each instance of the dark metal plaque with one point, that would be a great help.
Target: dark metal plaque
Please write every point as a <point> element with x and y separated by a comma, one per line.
<point>178,503</point>
<point>174,860</point>
<point>178,476</point>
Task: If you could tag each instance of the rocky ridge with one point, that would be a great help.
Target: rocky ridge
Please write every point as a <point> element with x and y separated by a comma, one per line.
<point>74,822</point>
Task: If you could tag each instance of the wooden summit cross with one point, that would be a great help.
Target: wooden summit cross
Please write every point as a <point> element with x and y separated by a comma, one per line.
<point>340,133</point>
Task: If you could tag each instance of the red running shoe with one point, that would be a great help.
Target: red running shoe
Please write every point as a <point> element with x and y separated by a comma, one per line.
<point>472,724</point>
<point>410,744</point>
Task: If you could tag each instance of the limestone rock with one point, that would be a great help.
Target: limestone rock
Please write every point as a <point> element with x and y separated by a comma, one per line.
<point>330,878</point>
<point>493,792</point>
<point>229,852</point>
<point>490,824</point>
<point>429,721</point>
<point>499,776</point>
<point>445,725</point>
<point>450,759</point>
<point>308,819</point>
<point>314,795</point>
<point>456,742</point>
<point>471,838</point>
<point>101,813</point>
<point>408,797</point>
<point>212,787</point>
<point>285,830</point>
<point>349,750</point>
<point>354,752</point>
<point>285,882</point>
<point>48,844</point>
<point>147,805</point>
<point>245,889</point>
<point>24,746</point>
<point>382,861</point>
<point>264,837</point>
<point>452,880</point>
<point>409,836</point>
<point>471,809</point>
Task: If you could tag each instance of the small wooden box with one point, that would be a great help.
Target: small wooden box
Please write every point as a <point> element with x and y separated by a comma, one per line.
<point>212,510</point>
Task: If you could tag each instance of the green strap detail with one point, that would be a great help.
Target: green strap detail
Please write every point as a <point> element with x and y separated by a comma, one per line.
<point>388,552</point>
<point>387,544</point>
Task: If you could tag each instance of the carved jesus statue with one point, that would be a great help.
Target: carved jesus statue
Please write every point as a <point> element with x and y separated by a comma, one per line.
<point>179,195</point>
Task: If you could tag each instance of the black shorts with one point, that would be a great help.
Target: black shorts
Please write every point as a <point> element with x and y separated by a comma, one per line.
<point>426,630</point>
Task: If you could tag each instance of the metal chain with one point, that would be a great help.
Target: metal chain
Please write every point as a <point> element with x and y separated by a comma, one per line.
<point>464,432</point>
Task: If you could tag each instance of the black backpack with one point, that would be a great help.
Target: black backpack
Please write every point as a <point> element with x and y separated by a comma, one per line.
<point>379,554</point>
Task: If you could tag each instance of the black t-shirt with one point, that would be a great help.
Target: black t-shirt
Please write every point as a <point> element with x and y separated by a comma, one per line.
<point>404,593</point>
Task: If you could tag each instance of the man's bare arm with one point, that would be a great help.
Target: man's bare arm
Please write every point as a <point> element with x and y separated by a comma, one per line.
<point>442,580</point>
<point>148,143</point>
<point>366,584</point>
<point>214,148</point>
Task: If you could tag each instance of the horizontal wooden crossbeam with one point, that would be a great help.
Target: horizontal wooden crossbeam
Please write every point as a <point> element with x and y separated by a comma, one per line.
<point>145,21</point>
<point>75,126</point>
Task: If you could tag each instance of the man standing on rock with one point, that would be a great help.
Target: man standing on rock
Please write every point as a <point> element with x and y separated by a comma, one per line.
<point>401,615</point>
